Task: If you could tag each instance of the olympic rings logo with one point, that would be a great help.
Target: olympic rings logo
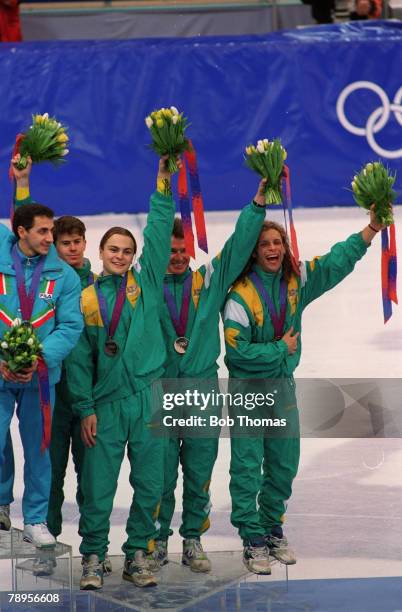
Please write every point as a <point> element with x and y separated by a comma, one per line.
<point>376,120</point>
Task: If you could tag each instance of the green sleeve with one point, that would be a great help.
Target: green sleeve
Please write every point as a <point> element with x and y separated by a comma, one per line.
<point>323,273</point>
<point>157,239</point>
<point>241,351</point>
<point>80,369</point>
<point>24,202</point>
<point>237,249</point>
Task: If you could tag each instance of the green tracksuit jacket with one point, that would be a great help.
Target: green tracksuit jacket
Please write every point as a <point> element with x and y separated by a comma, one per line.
<point>210,284</point>
<point>117,390</point>
<point>66,429</point>
<point>251,353</point>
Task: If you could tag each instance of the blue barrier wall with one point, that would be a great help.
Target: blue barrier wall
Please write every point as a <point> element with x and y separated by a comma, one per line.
<point>234,90</point>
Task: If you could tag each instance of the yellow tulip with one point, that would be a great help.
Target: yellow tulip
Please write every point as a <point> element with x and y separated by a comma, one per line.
<point>159,123</point>
<point>62,138</point>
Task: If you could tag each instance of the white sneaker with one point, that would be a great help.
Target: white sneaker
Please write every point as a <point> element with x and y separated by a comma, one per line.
<point>194,556</point>
<point>39,535</point>
<point>256,559</point>
<point>279,549</point>
<point>137,571</point>
<point>107,565</point>
<point>92,573</point>
<point>5,523</point>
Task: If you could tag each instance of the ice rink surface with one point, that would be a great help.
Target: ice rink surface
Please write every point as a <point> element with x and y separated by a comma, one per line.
<point>345,517</point>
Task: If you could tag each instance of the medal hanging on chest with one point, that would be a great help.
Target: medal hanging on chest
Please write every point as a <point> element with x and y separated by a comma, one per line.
<point>27,301</point>
<point>278,321</point>
<point>179,321</point>
<point>111,348</point>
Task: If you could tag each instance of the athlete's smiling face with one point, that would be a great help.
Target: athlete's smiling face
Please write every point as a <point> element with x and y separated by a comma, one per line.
<point>39,238</point>
<point>179,258</point>
<point>270,251</point>
<point>117,254</point>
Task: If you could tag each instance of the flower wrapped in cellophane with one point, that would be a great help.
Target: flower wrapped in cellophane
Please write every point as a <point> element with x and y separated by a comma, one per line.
<point>167,127</point>
<point>267,159</point>
<point>45,140</point>
<point>373,185</point>
<point>20,347</point>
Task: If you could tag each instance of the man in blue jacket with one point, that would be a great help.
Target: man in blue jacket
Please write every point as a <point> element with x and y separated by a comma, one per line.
<point>57,321</point>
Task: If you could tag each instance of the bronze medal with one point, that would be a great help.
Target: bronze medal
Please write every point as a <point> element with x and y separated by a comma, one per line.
<point>111,347</point>
<point>181,344</point>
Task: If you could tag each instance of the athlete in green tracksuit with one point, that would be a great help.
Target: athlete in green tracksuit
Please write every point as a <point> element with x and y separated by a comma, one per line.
<point>207,288</point>
<point>110,374</point>
<point>70,243</point>
<point>256,349</point>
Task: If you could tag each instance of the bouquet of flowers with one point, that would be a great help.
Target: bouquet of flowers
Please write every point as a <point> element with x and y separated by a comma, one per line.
<point>167,127</point>
<point>45,140</point>
<point>20,347</point>
<point>373,185</point>
<point>267,158</point>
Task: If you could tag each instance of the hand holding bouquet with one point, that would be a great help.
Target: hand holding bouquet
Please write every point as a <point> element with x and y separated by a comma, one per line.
<point>20,347</point>
<point>267,158</point>
<point>167,127</point>
<point>45,140</point>
<point>373,185</point>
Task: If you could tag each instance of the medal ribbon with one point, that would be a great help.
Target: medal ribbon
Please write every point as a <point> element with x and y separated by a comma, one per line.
<point>27,304</point>
<point>179,321</point>
<point>117,309</point>
<point>388,271</point>
<point>26,300</point>
<point>277,321</point>
<point>288,206</point>
<point>189,157</point>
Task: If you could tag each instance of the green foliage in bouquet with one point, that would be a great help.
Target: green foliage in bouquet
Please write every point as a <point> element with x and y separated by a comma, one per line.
<point>46,140</point>
<point>267,158</point>
<point>20,347</point>
<point>167,127</point>
<point>373,185</point>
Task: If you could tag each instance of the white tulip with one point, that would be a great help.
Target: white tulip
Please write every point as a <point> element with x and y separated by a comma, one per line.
<point>16,322</point>
<point>265,141</point>
<point>260,147</point>
<point>4,345</point>
<point>149,122</point>
<point>45,115</point>
<point>30,341</point>
<point>354,186</point>
<point>65,152</point>
<point>174,110</point>
<point>175,119</point>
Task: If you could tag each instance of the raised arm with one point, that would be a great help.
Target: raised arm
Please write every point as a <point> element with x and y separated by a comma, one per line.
<point>157,234</point>
<point>22,192</point>
<point>323,273</point>
<point>230,262</point>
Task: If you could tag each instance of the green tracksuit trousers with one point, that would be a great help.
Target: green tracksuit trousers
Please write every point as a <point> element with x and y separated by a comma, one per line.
<point>196,449</point>
<point>122,424</point>
<point>262,469</point>
<point>65,428</point>
<point>197,457</point>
